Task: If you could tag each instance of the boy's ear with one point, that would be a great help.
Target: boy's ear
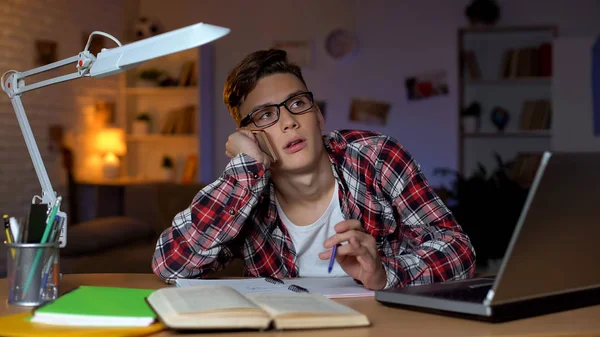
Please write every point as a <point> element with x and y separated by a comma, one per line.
<point>320,119</point>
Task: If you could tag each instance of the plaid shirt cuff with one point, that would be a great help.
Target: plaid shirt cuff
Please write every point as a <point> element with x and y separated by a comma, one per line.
<point>246,170</point>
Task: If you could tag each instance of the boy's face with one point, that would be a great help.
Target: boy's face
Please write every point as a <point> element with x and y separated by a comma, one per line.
<point>296,139</point>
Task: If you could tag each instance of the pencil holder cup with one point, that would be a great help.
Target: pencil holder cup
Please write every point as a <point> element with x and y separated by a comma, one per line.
<point>33,273</point>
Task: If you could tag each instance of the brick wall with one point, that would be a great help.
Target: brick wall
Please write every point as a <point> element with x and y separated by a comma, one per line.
<point>67,104</point>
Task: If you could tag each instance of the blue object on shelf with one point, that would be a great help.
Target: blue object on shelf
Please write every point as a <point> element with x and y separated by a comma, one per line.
<point>500,117</point>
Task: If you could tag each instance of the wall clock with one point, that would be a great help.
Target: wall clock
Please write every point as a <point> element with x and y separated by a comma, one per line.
<point>341,43</point>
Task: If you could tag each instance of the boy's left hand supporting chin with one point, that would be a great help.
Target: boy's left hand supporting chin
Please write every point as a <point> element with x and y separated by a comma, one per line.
<point>359,258</point>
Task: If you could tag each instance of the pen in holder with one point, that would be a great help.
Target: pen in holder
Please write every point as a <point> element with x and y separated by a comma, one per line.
<point>30,283</point>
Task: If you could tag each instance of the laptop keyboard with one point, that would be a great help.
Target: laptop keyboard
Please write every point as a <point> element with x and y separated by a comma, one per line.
<point>471,294</point>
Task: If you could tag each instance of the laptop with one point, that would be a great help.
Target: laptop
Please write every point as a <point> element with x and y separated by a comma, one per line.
<point>552,262</point>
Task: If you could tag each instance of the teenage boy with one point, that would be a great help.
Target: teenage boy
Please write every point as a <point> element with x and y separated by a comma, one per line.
<point>358,190</point>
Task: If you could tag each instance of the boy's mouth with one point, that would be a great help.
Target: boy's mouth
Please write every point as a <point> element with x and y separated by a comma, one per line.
<point>294,141</point>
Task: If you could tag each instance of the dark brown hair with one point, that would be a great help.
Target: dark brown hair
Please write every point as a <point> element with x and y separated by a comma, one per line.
<point>243,78</point>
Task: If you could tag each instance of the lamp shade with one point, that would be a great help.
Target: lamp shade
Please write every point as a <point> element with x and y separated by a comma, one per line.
<point>111,140</point>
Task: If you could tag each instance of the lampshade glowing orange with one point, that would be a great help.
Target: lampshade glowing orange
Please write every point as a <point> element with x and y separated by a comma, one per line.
<point>111,140</point>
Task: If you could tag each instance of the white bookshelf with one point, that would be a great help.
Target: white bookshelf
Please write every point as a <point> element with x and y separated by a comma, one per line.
<point>492,89</point>
<point>162,91</point>
<point>146,152</point>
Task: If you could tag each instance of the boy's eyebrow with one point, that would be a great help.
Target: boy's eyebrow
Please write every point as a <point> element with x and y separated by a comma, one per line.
<point>258,107</point>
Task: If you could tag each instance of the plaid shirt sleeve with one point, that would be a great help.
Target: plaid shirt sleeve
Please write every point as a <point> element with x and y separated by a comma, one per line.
<point>201,238</point>
<point>436,247</point>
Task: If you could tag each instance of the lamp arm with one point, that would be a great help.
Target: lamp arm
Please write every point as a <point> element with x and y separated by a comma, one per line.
<point>48,194</point>
<point>13,83</point>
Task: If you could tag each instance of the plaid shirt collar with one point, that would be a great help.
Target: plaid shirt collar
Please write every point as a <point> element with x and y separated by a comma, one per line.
<point>336,149</point>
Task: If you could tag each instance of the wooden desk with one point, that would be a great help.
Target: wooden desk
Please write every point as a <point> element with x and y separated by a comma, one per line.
<point>386,322</point>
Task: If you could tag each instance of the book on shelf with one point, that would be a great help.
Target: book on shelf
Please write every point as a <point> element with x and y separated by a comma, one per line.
<point>525,167</point>
<point>216,307</point>
<point>189,171</point>
<point>531,61</point>
<point>535,115</point>
<point>188,74</point>
<point>180,121</point>
<point>471,64</point>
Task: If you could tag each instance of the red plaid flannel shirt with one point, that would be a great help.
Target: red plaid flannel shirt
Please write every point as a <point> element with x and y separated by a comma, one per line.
<point>379,183</point>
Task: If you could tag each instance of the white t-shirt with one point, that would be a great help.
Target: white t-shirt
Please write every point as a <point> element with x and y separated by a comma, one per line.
<point>308,240</point>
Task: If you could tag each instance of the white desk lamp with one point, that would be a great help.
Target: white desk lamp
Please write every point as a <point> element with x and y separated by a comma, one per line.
<point>107,62</point>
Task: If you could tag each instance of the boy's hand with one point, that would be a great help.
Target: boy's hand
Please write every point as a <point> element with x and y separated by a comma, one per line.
<point>359,258</point>
<point>243,141</point>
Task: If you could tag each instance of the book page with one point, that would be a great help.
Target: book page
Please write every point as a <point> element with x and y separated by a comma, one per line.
<point>282,304</point>
<point>202,298</point>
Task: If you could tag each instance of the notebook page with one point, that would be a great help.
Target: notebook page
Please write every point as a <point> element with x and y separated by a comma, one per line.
<point>332,287</point>
<point>281,304</point>
<point>204,298</point>
<point>244,286</point>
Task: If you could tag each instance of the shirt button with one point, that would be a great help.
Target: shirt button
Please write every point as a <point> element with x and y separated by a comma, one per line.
<point>231,211</point>
<point>255,176</point>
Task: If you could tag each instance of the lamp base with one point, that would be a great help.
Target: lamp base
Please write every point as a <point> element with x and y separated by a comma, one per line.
<point>110,171</point>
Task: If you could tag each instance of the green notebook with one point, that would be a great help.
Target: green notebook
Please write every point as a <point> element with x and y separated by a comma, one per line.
<point>98,306</point>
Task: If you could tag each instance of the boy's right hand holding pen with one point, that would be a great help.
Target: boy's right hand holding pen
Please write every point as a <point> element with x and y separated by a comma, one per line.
<point>359,258</point>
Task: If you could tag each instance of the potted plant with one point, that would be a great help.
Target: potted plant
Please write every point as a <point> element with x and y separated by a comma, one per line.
<point>141,124</point>
<point>167,169</point>
<point>150,77</point>
<point>483,12</point>
<point>471,118</point>
<point>487,206</point>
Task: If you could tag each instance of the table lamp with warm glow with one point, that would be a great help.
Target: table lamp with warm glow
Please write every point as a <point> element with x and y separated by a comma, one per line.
<point>106,62</point>
<point>110,143</point>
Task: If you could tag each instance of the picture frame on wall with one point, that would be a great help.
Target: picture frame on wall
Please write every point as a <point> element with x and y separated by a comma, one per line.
<point>426,85</point>
<point>46,52</point>
<point>105,112</point>
<point>369,111</point>
<point>299,52</point>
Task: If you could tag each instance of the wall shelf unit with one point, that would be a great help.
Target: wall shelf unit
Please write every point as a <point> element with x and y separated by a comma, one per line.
<point>175,112</point>
<point>514,134</point>
<point>504,69</point>
<point>140,91</point>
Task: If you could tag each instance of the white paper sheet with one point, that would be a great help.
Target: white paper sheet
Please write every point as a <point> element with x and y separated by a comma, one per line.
<point>331,287</point>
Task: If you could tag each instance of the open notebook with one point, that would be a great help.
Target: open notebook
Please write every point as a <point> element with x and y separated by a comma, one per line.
<point>331,287</point>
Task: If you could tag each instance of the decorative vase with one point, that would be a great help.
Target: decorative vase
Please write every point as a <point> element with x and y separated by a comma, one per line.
<point>167,174</point>
<point>470,124</point>
<point>140,128</point>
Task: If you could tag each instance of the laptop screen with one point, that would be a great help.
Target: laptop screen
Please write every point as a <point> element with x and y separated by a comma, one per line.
<point>554,248</point>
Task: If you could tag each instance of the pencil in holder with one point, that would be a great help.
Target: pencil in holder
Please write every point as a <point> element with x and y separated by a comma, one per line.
<point>33,273</point>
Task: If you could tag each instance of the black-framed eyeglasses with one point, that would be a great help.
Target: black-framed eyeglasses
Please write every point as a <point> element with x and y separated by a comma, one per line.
<point>269,115</point>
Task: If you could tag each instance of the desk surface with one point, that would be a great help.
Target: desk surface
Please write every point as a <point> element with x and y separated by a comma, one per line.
<point>385,321</point>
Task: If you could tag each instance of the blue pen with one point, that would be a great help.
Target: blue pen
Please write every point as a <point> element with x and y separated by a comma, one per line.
<point>332,259</point>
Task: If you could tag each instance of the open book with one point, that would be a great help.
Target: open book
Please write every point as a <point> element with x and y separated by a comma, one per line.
<point>222,307</point>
